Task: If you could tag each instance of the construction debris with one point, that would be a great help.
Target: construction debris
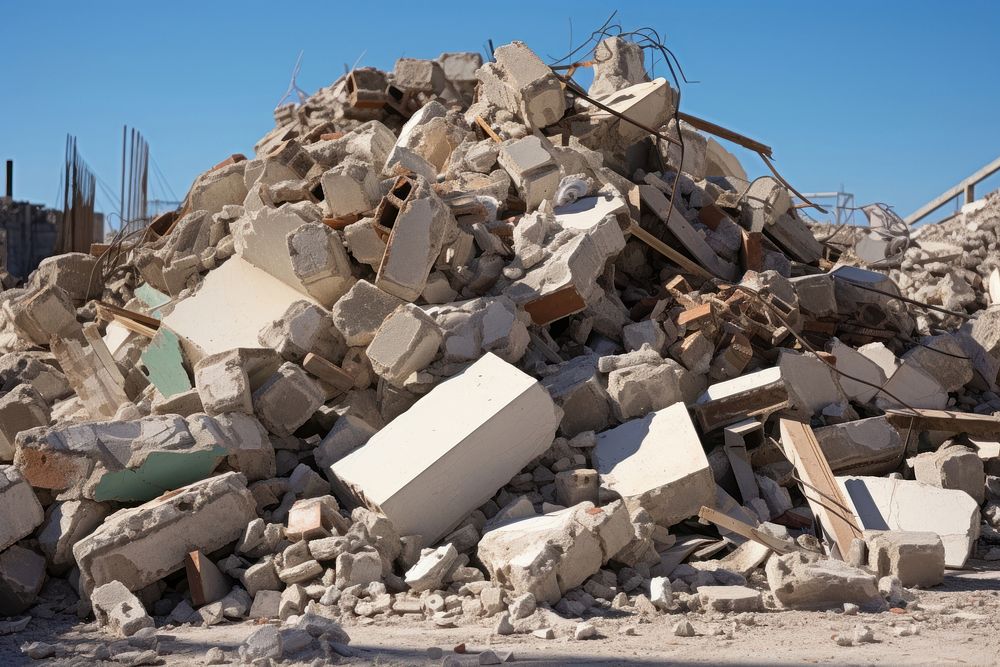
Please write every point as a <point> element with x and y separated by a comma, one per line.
<point>462,343</point>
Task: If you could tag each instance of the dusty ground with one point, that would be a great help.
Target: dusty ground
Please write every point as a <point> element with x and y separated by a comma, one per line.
<point>959,623</point>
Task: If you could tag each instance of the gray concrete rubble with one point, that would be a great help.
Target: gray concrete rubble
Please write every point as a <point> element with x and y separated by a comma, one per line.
<point>460,344</point>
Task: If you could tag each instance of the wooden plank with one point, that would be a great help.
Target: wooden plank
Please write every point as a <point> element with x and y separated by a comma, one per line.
<point>488,130</point>
<point>685,233</point>
<point>945,420</point>
<point>145,320</point>
<point>668,252</point>
<point>723,133</point>
<point>818,485</point>
<point>745,530</point>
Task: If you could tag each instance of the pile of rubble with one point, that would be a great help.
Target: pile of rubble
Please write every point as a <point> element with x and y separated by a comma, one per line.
<point>465,344</point>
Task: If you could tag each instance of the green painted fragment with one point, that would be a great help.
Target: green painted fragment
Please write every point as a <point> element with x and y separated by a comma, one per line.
<point>160,472</point>
<point>164,364</point>
<point>153,298</point>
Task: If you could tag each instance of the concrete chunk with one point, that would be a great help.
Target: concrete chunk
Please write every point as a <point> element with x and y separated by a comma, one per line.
<point>406,342</point>
<point>916,558</point>
<point>20,511</point>
<point>22,574</point>
<point>119,610</point>
<point>532,169</point>
<point>958,468</point>
<point>454,432</point>
<point>358,314</point>
<point>551,554</point>
<point>520,82</point>
<point>66,524</point>
<point>141,545</point>
<point>287,400</point>
<point>21,409</point>
<point>801,581</point>
<point>881,503</point>
<point>226,381</point>
<point>657,462</point>
<point>429,573</point>
<point>863,447</point>
<point>733,599</point>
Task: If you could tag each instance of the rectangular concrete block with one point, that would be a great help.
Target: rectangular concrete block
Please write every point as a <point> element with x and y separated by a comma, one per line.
<point>862,447</point>
<point>452,450</point>
<point>141,545</point>
<point>917,558</point>
<point>657,462</point>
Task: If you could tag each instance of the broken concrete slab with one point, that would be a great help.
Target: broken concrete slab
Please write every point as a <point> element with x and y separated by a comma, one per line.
<point>287,399</point>
<point>806,581</point>
<point>21,409</point>
<point>863,447</point>
<point>897,504</point>
<point>489,403</point>
<point>141,545</point>
<point>66,523</point>
<point>239,299</point>
<point>125,461</point>
<point>657,462</point>
<point>19,507</point>
<point>551,554</point>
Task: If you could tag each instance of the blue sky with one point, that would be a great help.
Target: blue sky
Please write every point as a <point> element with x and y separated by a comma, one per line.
<point>895,101</point>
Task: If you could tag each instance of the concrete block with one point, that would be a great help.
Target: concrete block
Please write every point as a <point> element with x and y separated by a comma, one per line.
<point>618,63</point>
<point>720,162</point>
<point>242,438</point>
<point>418,225</point>
<point>287,400</point>
<point>406,342</point>
<point>432,570</point>
<point>22,574</point>
<point>657,462</point>
<point>913,387</point>
<point>695,150</point>
<point>239,300</point>
<point>66,523</point>
<point>958,468</point>
<point>21,408</point>
<point>126,461</point>
<point>141,545</point>
<point>531,167</point>
<point>226,381</point>
<point>816,294</point>
<point>217,188</point>
<point>350,188</point>
<point>265,604</point>
<point>917,558</point>
<point>44,313</point>
<point>414,74</point>
<point>855,363</point>
<point>118,610</point>
<point>451,433</point>
<point>551,554</point>
<point>358,569</point>
<point>304,328</point>
<point>358,314</point>
<point>520,82</point>
<point>942,358</point>
<point>646,387</point>
<point>576,486</point>
<point>70,271</point>
<point>801,581</point>
<point>647,332</point>
<point>19,507</point>
<point>576,387</point>
<point>731,599</point>
<point>365,243</point>
<point>862,447</point>
<point>881,503</point>
<point>302,253</point>
<point>852,289</point>
<point>348,433</point>
<point>18,368</point>
<point>811,383</point>
<point>650,103</point>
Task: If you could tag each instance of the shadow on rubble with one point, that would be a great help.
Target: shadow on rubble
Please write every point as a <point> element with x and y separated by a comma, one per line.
<point>977,576</point>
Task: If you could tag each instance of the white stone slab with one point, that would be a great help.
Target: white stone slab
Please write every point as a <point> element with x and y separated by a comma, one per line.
<point>884,503</point>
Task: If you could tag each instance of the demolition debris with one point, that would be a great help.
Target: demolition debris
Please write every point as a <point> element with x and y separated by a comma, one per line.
<point>463,343</point>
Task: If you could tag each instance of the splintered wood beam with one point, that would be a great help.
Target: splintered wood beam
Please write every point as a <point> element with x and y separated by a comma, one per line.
<point>745,530</point>
<point>819,487</point>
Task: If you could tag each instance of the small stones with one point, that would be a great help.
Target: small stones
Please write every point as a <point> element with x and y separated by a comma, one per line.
<point>584,631</point>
